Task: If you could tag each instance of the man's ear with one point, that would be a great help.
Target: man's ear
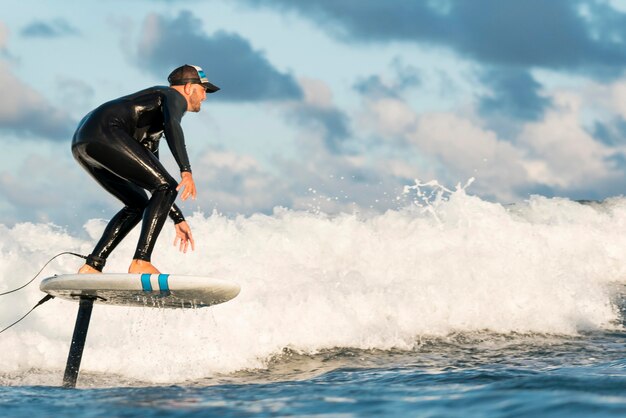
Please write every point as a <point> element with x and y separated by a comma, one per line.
<point>187,88</point>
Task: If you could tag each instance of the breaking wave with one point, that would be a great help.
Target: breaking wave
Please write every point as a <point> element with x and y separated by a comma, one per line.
<point>447,263</point>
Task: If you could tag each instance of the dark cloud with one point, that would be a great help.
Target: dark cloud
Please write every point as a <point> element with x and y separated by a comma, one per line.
<point>41,121</point>
<point>405,77</point>
<point>369,20</point>
<point>514,93</point>
<point>617,160</point>
<point>53,29</point>
<point>373,86</point>
<point>26,113</point>
<point>611,133</point>
<point>571,35</point>
<point>330,122</point>
<point>229,60</point>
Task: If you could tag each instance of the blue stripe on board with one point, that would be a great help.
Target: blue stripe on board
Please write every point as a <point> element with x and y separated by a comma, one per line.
<point>163,284</point>
<point>145,283</point>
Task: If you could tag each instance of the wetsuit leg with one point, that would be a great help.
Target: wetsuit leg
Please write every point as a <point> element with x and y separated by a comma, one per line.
<point>121,155</point>
<point>135,199</point>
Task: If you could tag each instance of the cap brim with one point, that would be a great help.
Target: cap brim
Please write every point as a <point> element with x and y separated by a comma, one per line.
<point>210,88</point>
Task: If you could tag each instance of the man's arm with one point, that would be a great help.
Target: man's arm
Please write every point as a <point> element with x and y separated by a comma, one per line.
<point>175,213</point>
<point>174,107</point>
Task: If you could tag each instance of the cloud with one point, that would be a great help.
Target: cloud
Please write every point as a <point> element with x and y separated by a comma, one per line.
<point>53,29</point>
<point>555,155</point>
<point>579,36</point>
<point>237,183</point>
<point>25,112</point>
<point>514,94</point>
<point>4,35</point>
<point>405,78</point>
<point>316,112</point>
<point>325,175</point>
<point>464,150</point>
<point>570,156</point>
<point>43,198</point>
<point>229,182</point>
<point>611,133</point>
<point>229,60</point>
<point>74,93</point>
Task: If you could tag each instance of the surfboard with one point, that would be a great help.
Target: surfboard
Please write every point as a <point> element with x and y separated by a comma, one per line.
<point>146,290</point>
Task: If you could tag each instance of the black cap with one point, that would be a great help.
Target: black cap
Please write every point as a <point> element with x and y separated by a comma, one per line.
<point>191,74</point>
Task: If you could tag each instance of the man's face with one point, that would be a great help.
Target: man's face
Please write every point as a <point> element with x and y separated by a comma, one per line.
<point>197,96</point>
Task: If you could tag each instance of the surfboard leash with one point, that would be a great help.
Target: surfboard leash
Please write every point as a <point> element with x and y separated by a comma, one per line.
<point>45,298</point>
<point>41,302</point>
<point>38,273</point>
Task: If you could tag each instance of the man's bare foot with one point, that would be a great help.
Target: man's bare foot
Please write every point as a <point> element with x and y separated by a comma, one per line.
<point>87,269</point>
<point>141,266</point>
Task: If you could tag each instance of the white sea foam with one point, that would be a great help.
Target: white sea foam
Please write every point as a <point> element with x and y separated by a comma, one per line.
<point>312,282</point>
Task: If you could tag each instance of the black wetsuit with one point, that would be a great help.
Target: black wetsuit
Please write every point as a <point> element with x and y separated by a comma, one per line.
<point>117,143</point>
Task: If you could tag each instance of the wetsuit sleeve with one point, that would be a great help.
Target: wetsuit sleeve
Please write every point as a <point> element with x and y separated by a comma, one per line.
<point>176,214</point>
<point>173,110</point>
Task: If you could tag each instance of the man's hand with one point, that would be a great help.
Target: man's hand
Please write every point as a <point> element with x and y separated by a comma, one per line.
<point>183,237</point>
<point>188,186</point>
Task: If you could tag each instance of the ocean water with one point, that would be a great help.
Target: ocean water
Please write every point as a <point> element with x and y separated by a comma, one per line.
<point>447,306</point>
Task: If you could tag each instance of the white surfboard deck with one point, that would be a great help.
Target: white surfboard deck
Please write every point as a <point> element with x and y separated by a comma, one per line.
<point>146,290</point>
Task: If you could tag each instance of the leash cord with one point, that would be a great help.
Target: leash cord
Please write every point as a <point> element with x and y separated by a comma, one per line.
<point>44,266</point>
<point>41,302</point>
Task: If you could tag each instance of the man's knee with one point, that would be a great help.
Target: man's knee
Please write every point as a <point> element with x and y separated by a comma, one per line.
<point>167,189</point>
<point>136,208</point>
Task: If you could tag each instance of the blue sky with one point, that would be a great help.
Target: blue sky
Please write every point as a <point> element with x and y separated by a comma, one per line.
<point>326,104</point>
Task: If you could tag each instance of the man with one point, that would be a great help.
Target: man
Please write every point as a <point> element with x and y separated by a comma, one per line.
<point>117,143</point>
